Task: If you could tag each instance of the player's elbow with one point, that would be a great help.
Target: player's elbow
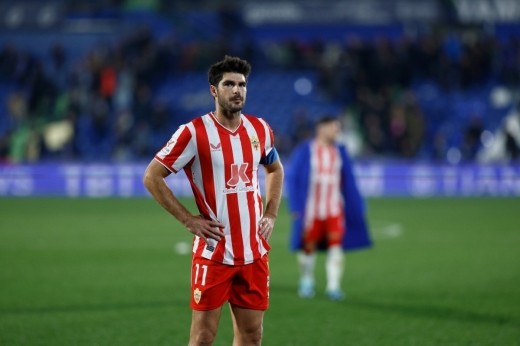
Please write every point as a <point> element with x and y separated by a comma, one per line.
<point>148,179</point>
<point>154,176</point>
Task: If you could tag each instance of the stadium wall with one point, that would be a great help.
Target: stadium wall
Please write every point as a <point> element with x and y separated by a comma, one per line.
<point>375,179</point>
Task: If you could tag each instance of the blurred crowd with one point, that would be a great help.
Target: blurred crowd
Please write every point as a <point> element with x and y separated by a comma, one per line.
<point>104,101</point>
<point>102,106</point>
<point>375,81</point>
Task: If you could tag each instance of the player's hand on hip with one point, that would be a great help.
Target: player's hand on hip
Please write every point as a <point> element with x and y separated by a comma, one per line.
<point>266,226</point>
<point>204,228</point>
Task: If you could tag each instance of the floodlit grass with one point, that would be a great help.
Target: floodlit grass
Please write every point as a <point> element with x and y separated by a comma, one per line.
<point>105,272</point>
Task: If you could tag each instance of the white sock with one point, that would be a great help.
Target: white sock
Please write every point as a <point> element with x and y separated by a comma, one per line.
<point>334,267</point>
<point>307,263</point>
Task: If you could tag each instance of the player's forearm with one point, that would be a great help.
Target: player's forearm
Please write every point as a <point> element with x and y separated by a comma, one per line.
<point>274,186</point>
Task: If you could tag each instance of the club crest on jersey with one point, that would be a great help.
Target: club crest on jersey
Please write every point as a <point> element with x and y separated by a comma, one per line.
<point>255,142</point>
<point>197,294</point>
<point>215,147</point>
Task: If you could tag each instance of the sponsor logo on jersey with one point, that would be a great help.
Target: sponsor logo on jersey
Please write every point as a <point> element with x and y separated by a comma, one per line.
<point>238,189</point>
<point>168,147</point>
<point>238,174</point>
<point>239,179</point>
<point>215,147</point>
<point>172,141</point>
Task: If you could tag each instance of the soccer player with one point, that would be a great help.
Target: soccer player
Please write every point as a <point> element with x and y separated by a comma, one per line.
<point>325,204</point>
<point>220,153</point>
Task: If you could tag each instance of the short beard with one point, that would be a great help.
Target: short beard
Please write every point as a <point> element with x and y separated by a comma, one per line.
<point>229,110</point>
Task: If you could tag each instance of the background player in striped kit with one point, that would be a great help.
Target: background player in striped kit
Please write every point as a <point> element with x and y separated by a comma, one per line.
<point>325,204</point>
<point>221,152</point>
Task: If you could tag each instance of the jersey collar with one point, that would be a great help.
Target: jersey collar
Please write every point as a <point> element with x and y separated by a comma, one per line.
<point>219,125</point>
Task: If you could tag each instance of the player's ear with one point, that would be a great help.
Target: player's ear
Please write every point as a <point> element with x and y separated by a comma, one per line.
<point>213,90</point>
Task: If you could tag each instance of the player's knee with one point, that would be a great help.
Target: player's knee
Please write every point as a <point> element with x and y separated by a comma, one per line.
<point>334,240</point>
<point>309,248</point>
<point>252,335</point>
<point>203,336</point>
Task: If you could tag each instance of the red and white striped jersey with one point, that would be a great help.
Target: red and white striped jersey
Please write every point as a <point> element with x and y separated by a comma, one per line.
<point>324,196</point>
<point>222,167</point>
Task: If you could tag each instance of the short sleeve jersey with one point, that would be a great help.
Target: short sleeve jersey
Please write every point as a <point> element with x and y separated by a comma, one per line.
<point>222,167</point>
<point>324,195</point>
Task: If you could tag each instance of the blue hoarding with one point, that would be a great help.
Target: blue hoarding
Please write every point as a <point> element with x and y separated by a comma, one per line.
<point>375,179</point>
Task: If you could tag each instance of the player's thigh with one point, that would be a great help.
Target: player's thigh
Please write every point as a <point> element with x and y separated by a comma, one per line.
<point>205,322</point>
<point>314,233</point>
<point>247,321</point>
<point>335,230</point>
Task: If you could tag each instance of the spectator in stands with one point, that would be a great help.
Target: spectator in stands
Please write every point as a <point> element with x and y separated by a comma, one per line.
<point>368,76</point>
<point>471,141</point>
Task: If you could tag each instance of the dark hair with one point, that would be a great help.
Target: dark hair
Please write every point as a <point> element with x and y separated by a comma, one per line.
<point>326,119</point>
<point>229,64</point>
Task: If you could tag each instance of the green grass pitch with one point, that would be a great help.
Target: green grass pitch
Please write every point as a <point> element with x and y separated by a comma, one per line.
<point>105,272</point>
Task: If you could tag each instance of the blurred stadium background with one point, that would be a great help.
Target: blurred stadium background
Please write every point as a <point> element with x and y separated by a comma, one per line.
<point>426,87</point>
<point>429,95</point>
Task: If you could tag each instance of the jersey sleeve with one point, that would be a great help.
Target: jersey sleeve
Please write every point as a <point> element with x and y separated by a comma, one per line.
<point>178,151</point>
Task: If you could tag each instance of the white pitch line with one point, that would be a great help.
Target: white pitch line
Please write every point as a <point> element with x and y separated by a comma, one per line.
<point>182,248</point>
<point>383,230</point>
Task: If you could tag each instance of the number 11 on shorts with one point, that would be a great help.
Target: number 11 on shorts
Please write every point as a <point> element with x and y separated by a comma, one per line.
<point>204,272</point>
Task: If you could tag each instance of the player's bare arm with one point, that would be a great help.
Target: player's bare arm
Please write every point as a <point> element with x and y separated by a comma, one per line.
<point>273,186</point>
<point>154,181</point>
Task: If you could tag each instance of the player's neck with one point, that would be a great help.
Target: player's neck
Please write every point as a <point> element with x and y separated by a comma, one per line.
<point>230,120</point>
<point>324,141</point>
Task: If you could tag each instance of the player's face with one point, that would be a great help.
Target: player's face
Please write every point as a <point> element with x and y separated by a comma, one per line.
<point>331,131</point>
<point>231,92</point>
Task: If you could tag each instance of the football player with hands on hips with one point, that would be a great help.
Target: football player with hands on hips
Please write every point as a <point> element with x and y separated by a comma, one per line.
<point>221,152</point>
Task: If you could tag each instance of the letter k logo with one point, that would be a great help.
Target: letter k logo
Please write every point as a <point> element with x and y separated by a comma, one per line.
<point>238,173</point>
